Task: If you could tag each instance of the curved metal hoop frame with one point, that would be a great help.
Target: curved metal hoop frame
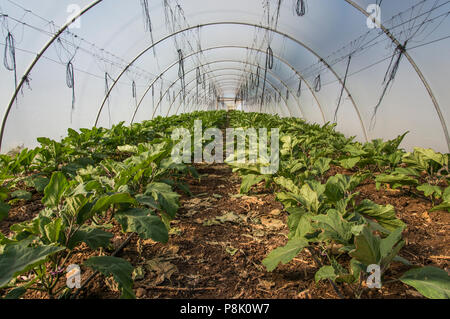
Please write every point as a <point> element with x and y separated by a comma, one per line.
<point>214,76</point>
<point>232,61</point>
<point>350,2</point>
<point>233,47</point>
<point>291,38</point>
<point>416,68</point>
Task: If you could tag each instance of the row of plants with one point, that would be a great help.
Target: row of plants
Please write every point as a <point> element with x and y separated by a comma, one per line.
<point>87,182</point>
<point>346,235</point>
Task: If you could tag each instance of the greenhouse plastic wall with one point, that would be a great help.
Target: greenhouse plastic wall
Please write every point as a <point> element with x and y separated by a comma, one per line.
<point>224,47</point>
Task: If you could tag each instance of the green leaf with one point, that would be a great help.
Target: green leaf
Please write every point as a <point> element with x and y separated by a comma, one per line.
<point>284,254</point>
<point>334,227</point>
<point>384,215</point>
<point>367,249</point>
<point>105,202</point>
<point>93,237</point>
<point>40,183</point>
<point>309,198</point>
<point>146,226</point>
<point>429,190</point>
<point>21,194</point>
<point>128,149</point>
<point>248,181</point>
<point>322,165</point>
<point>119,268</point>
<point>16,293</point>
<point>148,201</point>
<point>326,272</point>
<point>166,197</point>
<point>299,223</point>
<point>55,190</point>
<point>53,230</point>
<point>337,186</point>
<point>396,181</point>
<point>390,246</point>
<point>432,282</point>
<point>288,184</point>
<point>17,259</point>
<point>349,163</point>
<point>446,195</point>
<point>4,210</point>
<point>443,206</point>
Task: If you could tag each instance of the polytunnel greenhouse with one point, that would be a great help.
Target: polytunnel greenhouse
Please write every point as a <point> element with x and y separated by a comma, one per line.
<point>192,149</point>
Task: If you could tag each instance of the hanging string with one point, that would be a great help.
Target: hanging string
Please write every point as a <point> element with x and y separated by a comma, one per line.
<point>199,76</point>
<point>252,81</point>
<point>269,65</point>
<point>269,61</point>
<point>153,97</point>
<point>287,94</point>
<point>148,21</point>
<point>181,73</point>
<point>299,90</point>
<point>134,92</point>
<point>342,89</point>
<point>199,80</point>
<point>9,57</point>
<point>106,94</point>
<point>317,84</point>
<point>133,89</point>
<point>258,76</point>
<point>300,8</point>
<point>389,77</point>
<point>70,81</point>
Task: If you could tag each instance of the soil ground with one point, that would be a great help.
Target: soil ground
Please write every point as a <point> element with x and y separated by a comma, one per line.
<point>219,239</point>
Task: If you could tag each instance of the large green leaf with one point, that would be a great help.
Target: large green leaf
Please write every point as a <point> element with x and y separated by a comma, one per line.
<point>288,184</point>
<point>326,272</point>
<point>21,194</point>
<point>284,254</point>
<point>429,190</point>
<point>119,268</point>
<point>432,282</point>
<point>18,258</point>
<point>367,249</point>
<point>40,183</point>
<point>334,227</point>
<point>248,181</point>
<point>339,185</point>
<point>55,190</point>
<point>349,163</point>
<point>4,210</point>
<point>53,231</point>
<point>396,180</point>
<point>445,205</point>
<point>93,237</point>
<point>390,246</point>
<point>299,223</point>
<point>145,225</point>
<point>372,249</point>
<point>16,293</point>
<point>384,215</point>
<point>166,197</point>
<point>105,202</point>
